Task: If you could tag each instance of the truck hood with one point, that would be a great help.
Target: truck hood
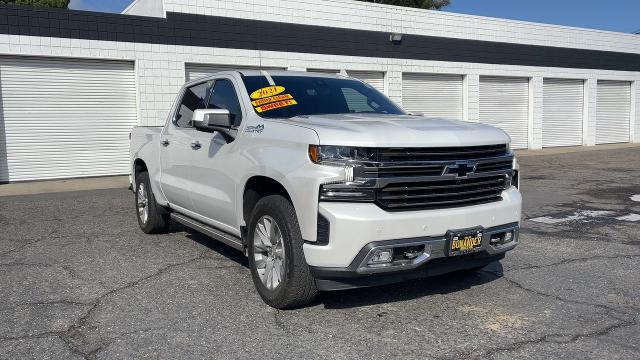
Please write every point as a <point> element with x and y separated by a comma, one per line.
<point>374,130</point>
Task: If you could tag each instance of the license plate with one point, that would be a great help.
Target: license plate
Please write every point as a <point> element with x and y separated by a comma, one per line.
<point>465,242</point>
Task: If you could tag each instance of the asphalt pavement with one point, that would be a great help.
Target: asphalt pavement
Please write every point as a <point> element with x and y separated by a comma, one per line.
<point>78,279</point>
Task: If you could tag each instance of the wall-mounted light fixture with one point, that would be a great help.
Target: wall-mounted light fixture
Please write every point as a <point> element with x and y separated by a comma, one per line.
<point>395,38</point>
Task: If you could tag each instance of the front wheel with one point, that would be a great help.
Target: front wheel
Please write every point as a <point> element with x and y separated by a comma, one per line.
<point>278,267</point>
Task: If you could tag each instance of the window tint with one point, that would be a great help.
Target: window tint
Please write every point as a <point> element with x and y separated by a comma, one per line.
<point>224,97</point>
<point>194,98</point>
<point>357,102</point>
<point>322,95</point>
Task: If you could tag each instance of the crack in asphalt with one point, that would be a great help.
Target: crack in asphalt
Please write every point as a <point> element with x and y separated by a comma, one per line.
<point>88,338</point>
<point>557,338</point>
<point>577,260</point>
<point>279,322</point>
<point>93,354</point>
<point>72,336</point>
<point>35,241</point>
<point>47,303</point>
<point>66,268</point>
<point>501,275</point>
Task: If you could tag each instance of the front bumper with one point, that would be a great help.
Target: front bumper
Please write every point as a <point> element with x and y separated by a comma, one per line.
<point>328,280</point>
<point>433,260</point>
<point>352,226</point>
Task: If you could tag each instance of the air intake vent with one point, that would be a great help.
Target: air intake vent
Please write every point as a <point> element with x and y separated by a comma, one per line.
<point>323,231</point>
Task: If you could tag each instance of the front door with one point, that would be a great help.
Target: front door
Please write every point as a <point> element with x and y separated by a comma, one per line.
<point>213,190</point>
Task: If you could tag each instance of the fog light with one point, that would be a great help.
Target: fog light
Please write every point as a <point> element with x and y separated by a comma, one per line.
<point>502,238</point>
<point>381,257</point>
<point>412,252</point>
<point>508,237</point>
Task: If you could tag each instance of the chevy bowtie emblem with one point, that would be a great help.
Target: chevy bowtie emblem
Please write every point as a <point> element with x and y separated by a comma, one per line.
<point>461,168</point>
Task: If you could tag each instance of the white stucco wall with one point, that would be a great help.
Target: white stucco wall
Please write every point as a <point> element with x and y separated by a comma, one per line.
<point>161,68</point>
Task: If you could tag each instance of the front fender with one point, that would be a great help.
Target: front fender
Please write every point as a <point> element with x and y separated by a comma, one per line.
<point>280,152</point>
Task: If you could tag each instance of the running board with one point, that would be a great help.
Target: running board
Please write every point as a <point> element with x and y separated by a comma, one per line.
<point>219,235</point>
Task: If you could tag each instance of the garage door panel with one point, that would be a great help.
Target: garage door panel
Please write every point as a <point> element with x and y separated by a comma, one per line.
<point>195,71</point>
<point>434,95</point>
<point>504,103</point>
<point>373,78</point>
<point>613,112</point>
<point>563,107</point>
<point>65,117</point>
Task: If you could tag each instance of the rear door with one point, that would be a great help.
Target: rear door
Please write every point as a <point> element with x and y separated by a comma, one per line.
<point>176,149</point>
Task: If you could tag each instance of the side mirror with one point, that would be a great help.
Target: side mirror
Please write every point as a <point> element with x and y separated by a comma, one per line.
<point>210,120</point>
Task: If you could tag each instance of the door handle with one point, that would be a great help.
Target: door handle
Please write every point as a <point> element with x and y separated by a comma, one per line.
<point>195,145</point>
<point>164,142</point>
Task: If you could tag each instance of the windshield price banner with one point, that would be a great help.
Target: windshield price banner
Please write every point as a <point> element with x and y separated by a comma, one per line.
<point>276,105</point>
<point>270,98</point>
<point>267,91</point>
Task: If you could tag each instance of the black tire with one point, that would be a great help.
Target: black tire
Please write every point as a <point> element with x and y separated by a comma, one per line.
<point>157,220</point>
<point>297,287</point>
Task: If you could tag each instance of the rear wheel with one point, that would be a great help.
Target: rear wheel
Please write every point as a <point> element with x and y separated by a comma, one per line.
<point>152,218</point>
<point>278,268</point>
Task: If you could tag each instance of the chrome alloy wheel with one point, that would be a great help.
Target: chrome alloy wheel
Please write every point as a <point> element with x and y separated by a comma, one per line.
<point>269,254</point>
<point>143,203</point>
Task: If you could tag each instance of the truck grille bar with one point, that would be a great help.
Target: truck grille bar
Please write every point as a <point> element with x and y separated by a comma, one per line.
<point>439,194</point>
<point>421,178</point>
<point>444,153</point>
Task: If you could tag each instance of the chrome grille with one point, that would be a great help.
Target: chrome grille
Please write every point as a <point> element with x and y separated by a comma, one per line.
<point>442,153</point>
<point>442,193</point>
<point>420,178</point>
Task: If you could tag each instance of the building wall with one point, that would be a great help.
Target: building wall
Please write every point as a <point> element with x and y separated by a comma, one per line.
<point>161,67</point>
<point>378,17</point>
<point>146,8</point>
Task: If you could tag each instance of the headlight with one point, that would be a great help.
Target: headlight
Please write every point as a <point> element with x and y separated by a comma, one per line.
<point>340,155</point>
<point>340,192</point>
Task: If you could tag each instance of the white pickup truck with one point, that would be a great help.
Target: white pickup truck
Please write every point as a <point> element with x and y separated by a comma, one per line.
<point>324,183</point>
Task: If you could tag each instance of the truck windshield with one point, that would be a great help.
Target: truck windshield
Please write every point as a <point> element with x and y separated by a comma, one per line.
<point>307,95</point>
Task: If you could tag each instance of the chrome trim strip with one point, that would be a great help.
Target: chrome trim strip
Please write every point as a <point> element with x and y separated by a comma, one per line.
<point>372,165</point>
<point>437,249</point>
<point>219,235</point>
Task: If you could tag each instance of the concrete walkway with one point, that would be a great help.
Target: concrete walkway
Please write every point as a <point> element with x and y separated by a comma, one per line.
<point>51,186</point>
<point>111,182</point>
<point>574,149</point>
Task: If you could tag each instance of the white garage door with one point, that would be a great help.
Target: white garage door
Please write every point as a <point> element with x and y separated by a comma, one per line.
<point>373,78</point>
<point>562,112</point>
<point>194,71</point>
<point>504,102</point>
<point>65,118</point>
<point>434,95</point>
<point>613,112</point>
